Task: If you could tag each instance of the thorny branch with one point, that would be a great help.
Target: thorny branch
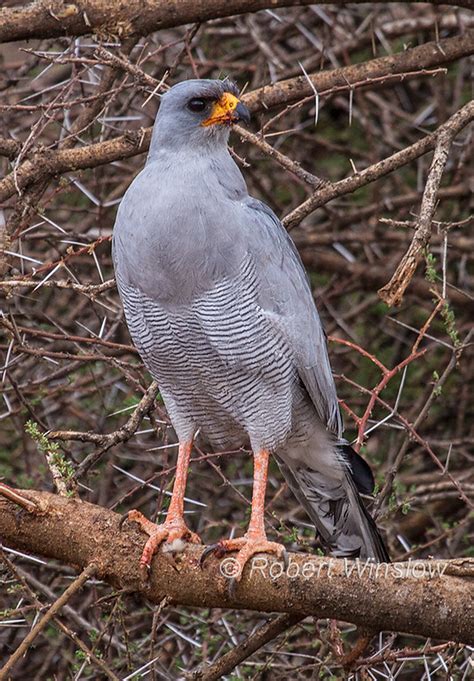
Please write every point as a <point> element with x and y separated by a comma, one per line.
<point>285,92</point>
<point>393,292</point>
<point>343,153</point>
<point>441,139</point>
<point>230,660</point>
<point>86,574</point>
<point>53,19</point>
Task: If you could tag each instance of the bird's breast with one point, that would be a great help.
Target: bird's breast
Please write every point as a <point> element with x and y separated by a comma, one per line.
<point>221,359</point>
<point>179,240</point>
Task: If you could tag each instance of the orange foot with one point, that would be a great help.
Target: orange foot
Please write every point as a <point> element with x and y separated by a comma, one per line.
<point>247,546</point>
<point>169,531</point>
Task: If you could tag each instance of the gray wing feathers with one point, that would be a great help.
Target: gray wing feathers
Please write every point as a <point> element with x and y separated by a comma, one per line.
<point>319,474</point>
<point>287,297</point>
<point>340,517</point>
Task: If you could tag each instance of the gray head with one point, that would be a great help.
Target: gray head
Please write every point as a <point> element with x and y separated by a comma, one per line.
<point>197,113</point>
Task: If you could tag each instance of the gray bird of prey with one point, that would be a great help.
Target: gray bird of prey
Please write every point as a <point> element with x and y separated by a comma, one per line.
<point>219,307</point>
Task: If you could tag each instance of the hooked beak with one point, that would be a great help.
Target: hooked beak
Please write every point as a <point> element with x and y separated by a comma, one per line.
<point>242,113</point>
<point>227,110</point>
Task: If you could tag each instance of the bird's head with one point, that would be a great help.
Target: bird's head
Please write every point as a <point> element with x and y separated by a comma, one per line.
<point>199,113</point>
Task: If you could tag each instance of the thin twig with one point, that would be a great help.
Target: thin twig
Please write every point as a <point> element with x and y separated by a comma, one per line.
<point>75,586</point>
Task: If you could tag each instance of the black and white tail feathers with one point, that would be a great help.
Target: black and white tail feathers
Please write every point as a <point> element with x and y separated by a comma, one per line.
<point>333,503</point>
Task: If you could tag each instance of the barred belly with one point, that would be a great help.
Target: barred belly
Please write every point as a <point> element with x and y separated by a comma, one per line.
<point>221,362</point>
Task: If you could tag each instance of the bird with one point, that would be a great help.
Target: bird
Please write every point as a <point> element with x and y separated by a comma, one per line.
<point>220,309</point>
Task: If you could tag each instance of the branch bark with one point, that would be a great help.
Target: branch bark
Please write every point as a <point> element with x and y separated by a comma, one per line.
<point>79,533</point>
<point>428,55</point>
<point>55,18</point>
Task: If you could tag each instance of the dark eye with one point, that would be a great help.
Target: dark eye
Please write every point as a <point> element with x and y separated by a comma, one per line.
<point>197,104</point>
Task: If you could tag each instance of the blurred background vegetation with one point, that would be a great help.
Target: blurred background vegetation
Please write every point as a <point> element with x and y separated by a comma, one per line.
<point>68,364</point>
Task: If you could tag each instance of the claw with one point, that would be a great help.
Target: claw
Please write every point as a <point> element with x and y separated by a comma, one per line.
<point>246,547</point>
<point>145,571</point>
<point>212,548</point>
<point>285,558</point>
<point>232,587</point>
<point>171,530</point>
<point>123,519</point>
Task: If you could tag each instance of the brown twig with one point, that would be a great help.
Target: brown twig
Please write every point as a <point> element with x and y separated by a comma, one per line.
<point>19,575</point>
<point>392,293</point>
<point>75,586</point>
<point>228,662</point>
<point>105,442</point>
<point>333,190</point>
<point>19,499</point>
<point>387,375</point>
<point>45,164</point>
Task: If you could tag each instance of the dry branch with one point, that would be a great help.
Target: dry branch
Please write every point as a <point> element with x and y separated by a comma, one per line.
<point>120,435</point>
<point>54,18</point>
<point>68,367</point>
<point>79,534</point>
<point>87,573</point>
<point>428,55</point>
<point>332,190</point>
<point>259,638</point>
<point>63,609</point>
<point>375,275</point>
<point>392,293</point>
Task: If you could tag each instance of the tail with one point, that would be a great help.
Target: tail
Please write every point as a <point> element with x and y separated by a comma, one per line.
<point>331,499</point>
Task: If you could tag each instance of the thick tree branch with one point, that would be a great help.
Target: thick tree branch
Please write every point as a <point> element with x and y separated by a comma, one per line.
<point>54,18</point>
<point>398,598</point>
<point>434,53</point>
<point>50,163</point>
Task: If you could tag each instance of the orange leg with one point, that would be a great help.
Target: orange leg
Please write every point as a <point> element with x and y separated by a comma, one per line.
<point>174,526</point>
<point>255,540</point>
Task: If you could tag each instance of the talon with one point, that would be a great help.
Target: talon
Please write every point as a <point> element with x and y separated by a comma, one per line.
<point>219,549</point>
<point>232,587</point>
<point>246,546</point>
<point>170,531</point>
<point>145,571</point>
<point>122,520</point>
<point>207,552</point>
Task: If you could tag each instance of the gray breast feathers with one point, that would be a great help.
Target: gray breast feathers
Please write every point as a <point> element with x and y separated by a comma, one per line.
<point>220,358</point>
